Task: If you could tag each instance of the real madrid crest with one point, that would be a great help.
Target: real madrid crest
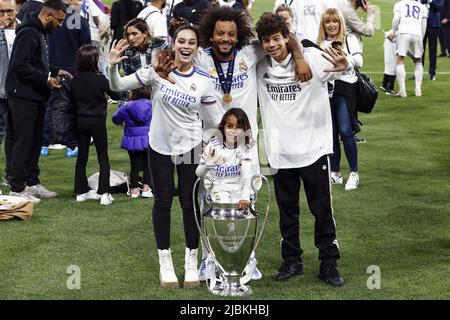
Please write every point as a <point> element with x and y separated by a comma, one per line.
<point>242,66</point>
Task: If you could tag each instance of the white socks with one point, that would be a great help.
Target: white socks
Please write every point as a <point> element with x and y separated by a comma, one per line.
<point>401,76</point>
<point>418,75</point>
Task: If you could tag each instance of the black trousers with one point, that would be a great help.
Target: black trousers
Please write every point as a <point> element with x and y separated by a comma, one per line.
<point>316,180</point>
<point>432,37</point>
<point>444,37</point>
<point>139,160</point>
<point>7,133</point>
<point>27,119</point>
<point>99,134</point>
<point>162,170</point>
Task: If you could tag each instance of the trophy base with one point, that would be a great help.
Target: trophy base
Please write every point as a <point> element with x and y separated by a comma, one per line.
<point>231,287</point>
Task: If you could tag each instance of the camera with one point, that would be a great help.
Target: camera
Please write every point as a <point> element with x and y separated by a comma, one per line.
<point>336,44</point>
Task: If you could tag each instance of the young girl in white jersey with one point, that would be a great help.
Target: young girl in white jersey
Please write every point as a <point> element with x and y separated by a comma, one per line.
<point>227,162</point>
<point>175,139</point>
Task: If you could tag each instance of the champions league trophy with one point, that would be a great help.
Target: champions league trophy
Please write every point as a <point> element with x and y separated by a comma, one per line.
<point>231,235</point>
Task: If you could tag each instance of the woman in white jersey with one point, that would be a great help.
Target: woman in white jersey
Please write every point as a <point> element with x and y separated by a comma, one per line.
<point>343,106</point>
<point>175,141</point>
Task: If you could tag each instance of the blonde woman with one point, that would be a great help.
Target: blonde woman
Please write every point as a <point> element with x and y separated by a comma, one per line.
<point>343,102</point>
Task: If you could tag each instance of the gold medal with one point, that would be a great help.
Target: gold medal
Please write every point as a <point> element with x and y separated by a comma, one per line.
<point>227,98</point>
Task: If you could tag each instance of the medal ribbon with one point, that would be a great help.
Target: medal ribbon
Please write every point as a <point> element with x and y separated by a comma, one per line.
<point>225,83</point>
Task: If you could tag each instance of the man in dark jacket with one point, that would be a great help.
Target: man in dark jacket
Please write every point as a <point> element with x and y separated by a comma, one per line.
<point>63,44</point>
<point>29,8</point>
<point>433,26</point>
<point>28,83</point>
<point>7,34</point>
<point>445,27</point>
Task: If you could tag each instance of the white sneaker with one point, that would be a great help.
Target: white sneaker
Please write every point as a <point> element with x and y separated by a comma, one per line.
<point>418,93</point>
<point>353,181</point>
<point>147,194</point>
<point>401,94</point>
<point>90,195</point>
<point>106,199</point>
<point>39,191</point>
<point>167,274</point>
<point>191,278</point>
<point>26,195</point>
<point>134,193</point>
<point>336,179</point>
<point>256,275</point>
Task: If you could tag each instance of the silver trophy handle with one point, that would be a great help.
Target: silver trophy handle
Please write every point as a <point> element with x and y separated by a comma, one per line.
<point>200,223</point>
<point>258,237</point>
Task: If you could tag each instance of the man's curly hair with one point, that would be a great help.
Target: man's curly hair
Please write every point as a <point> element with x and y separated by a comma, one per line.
<point>271,23</point>
<point>208,22</point>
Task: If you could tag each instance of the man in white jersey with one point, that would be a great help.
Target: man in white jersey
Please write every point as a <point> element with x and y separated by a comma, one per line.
<point>410,23</point>
<point>230,58</point>
<point>307,15</point>
<point>298,138</point>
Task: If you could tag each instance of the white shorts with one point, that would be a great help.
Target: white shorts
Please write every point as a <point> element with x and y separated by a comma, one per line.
<point>225,197</point>
<point>409,43</point>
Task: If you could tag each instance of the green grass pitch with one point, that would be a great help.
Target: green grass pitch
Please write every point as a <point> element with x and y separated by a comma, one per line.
<point>398,219</point>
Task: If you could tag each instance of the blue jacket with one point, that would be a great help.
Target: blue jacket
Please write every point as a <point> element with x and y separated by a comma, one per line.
<point>65,41</point>
<point>137,115</point>
<point>434,15</point>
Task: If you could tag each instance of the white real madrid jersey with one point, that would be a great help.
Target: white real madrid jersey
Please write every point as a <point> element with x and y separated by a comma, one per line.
<point>232,173</point>
<point>176,127</point>
<point>243,88</point>
<point>411,15</point>
<point>296,116</point>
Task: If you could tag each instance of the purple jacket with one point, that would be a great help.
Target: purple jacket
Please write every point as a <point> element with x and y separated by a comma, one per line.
<point>137,115</point>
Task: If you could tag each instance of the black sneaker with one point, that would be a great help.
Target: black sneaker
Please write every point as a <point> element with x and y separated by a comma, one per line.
<point>330,275</point>
<point>289,268</point>
<point>442,55</point>
<point>432,78</point>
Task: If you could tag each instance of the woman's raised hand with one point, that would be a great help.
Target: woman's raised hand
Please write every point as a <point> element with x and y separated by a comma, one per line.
<point>337,58</point>
<point>115,54</point>
<point>165,66</point>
